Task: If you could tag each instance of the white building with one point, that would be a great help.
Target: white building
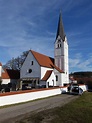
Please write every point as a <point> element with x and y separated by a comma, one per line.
<point>44,70</point>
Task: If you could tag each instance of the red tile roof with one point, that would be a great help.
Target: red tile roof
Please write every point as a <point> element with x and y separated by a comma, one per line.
<point>45,61</point>
<point>47,75</point>
<point>5,75</point>
<point>58,69</point>
<point>10,74</point>
<point>72,79</point>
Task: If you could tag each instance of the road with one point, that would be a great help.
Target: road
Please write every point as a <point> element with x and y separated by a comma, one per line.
<point>13,113</point>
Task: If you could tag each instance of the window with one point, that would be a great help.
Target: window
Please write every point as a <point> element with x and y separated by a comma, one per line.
<point>60,45</point>
<point>32,62</point>
<point>30,70</point>
<point>56,78</point>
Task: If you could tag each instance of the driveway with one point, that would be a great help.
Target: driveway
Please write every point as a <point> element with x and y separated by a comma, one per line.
<point>13,113</point>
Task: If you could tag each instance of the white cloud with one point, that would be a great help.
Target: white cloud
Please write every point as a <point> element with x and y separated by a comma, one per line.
<point>39,44</point>
<point>23,24</point>
<point>78,63</point>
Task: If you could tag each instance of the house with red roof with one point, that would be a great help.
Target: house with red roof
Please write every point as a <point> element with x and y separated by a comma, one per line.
<point>39,69</point>
<point>9,76</point>
<point>72,80</point>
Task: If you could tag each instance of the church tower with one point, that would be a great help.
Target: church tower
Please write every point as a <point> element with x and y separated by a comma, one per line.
<point>61,51</point>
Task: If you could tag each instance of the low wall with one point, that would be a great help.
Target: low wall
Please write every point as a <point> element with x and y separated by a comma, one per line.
<point>23,96</point>
<point>28,95</point>
<point>83,87</point>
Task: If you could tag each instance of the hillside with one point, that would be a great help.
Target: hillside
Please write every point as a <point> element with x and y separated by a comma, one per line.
<point>82,74</point>
<point>83,77</point>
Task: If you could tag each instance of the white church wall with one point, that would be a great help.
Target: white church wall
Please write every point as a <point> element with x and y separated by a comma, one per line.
<point>59,79</point>
<point>64,79</point>
<point>24,73</point>
<point>51,80</point>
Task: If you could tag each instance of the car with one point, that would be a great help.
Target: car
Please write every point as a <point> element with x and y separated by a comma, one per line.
<point>76,90</point>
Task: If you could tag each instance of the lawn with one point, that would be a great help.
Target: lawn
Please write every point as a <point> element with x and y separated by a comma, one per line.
<point>77,111</point>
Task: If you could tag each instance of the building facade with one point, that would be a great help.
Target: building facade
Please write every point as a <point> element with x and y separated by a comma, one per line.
<point>39,69</point>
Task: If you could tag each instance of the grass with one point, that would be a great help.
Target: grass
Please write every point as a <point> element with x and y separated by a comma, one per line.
<point>77,111</point>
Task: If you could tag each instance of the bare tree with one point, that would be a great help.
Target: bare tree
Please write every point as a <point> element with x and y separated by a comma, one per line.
<point>16,63</point>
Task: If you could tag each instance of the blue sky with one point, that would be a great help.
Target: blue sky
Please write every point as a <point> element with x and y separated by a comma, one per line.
<point>32,24</point>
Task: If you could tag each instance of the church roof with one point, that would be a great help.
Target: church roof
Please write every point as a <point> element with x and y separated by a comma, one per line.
<point>60,30</point>
<point>47,75</point>
<point>45,61</point>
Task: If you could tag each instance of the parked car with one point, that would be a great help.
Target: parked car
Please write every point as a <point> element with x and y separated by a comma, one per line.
<point>76,90</point>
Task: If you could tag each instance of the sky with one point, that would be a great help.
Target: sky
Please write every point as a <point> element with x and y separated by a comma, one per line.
<point>32,24</point>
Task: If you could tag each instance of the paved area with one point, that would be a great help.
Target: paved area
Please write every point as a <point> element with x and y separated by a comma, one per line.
<point>12,113</point>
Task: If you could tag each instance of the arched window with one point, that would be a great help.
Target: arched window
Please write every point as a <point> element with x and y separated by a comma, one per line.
<point>56,78</point>
<point>60,45</point>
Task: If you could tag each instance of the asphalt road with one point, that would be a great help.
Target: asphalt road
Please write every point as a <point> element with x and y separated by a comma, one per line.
<point>13,113</point>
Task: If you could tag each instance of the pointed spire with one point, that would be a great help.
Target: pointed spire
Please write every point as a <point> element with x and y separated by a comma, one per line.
<point>60,30</point>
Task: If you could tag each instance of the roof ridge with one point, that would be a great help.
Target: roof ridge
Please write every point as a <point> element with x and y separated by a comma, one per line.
<point>41,54</point>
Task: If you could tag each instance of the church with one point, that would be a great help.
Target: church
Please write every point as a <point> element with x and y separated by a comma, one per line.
<point>42,70</point>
